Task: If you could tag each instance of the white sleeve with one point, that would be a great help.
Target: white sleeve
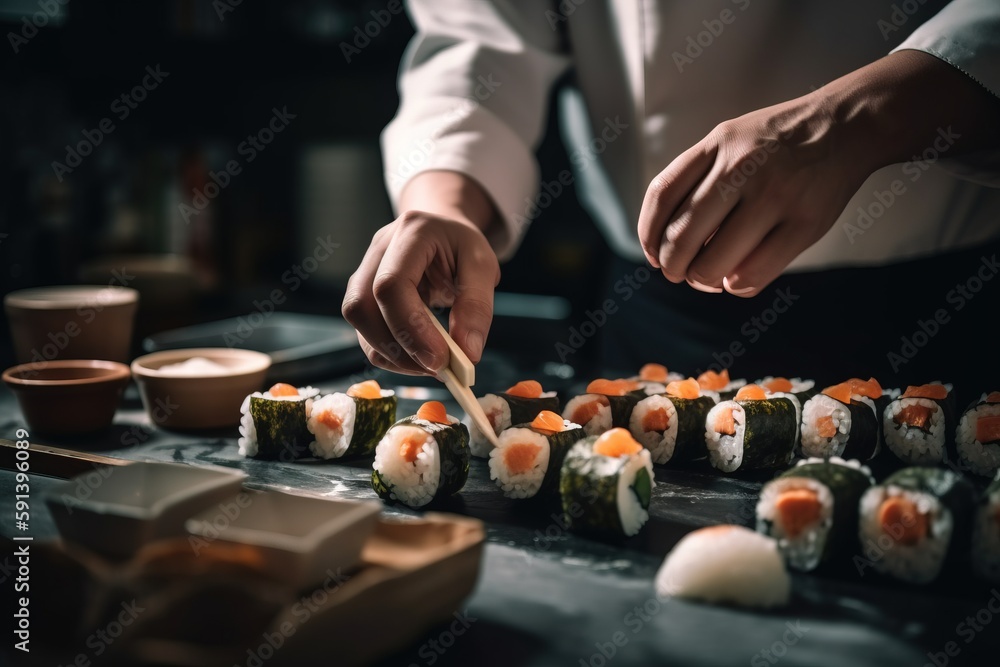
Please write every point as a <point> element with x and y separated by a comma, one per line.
<point>474,84</point>
<point>966,35</point>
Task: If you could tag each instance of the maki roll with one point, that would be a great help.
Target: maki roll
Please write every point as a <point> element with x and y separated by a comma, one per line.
<point>606,404</point>
<point>751,432</point>
<point>517,405</point>
<point>422,458</point>
<point>978,436</point>
<point>530,456</point>
<point>812,510</point>
<point>918,426</point>
<point>672,425</point>
<point>606,483</point>
<point>719,385</point>
<point>801,389</point>
<point>273,423</point>
<point>653,378</point>
<point>915,521</point>
<point>986,535</point>
<point>842,421</point>
<point>351,424</point>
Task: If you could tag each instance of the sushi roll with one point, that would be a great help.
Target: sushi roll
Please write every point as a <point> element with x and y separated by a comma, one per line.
<point>606,404</point>
<point>273,424</point>
<point>751,432</point>
<point>422,458</point>
<point>917,521</point>
<point>986,535</point>
<point>801,389</point>
<point>351,424</point>
<point>918,427</point>
<point>812,510</point>
<point>653,378</point>
<point>606,483</point>
<point>842,421</point>
<point>978,436</point>
<point>730,564</point>
<point>530,456</point>
<point>719,385</point>
<point>672,425</point>
<point>517,405</point>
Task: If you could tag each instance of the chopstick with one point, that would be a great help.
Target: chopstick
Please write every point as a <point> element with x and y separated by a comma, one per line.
<point>458,376</point>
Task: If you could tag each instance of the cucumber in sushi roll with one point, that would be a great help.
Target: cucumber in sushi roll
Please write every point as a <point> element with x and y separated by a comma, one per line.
<point>422,458</point>
<point>918,427</point>
<point>812,510</point>
<point>842,421</point>
<point>751,432</point>
<point>606,404</point>
<point>528,460</point>
<point>273,424</point>
<point>916,522</point>
<point>672,426</point>
<point>606,484</point>
<point>977,440</point>
<point>518,405</point>
<point>986,535</point>
<point>719,385</point>
<point>351,424</point>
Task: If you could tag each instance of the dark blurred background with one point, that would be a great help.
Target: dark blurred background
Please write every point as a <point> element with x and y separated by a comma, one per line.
<point>79,203</point>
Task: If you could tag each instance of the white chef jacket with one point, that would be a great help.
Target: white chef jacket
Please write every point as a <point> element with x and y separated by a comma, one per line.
<point>653,77</point>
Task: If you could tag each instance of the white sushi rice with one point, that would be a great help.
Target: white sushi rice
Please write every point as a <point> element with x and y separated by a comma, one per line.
<point>248,430</point>
<point>725,452</point>
<point>817,407</point>
<point>498,413</point>
<point>730,564</point>
<point>913,445</point>
<point>524,484</point>
<point>986,539</point>
<point>331,443</point>
<point>918,563</point>
<point>803,551</point>
<point>980,458</point>
<point>630,511</point>
<point>659,443</point>
<point>601,421</point>
<point>413,484</point>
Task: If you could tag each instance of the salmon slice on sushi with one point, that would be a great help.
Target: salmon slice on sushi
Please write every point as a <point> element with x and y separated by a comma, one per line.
<point>529,457</point>
<point>720,385</point>
<point>351,424</point>
<point>977,439</point>
<point>606,404</point>
<point>842,421</point>
<point>518,405</point>
<point>918,427</point>
<point>751,432</point>
<point>654,378</point>
<point>422,458</point>
<point>273,424</point>
<point>672,425</point>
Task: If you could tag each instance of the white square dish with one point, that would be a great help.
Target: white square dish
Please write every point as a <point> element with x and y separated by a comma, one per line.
<point>300,540</point>
<point>116,510</point>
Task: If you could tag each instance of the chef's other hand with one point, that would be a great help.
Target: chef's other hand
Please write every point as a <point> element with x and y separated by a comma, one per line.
<point>440,258</point>
<point>735,209</point>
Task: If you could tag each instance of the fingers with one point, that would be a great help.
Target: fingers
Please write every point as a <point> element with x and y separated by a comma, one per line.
<point>472,312</point>
<point>666,192</point>
<point>378,359</point>
<point>774,253</point>
<point>738,235</point>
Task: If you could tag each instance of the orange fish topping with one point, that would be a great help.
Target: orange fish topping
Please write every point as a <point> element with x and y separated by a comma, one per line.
<point>366,389</point>
<point>988,429</point>
<point>525,389</point>
<point>655,420</point>
<point>520,457</point>
<point>902,521</point>
<point>653,373</point>
<point>797,510</point>
<point>611,387</point>
<point>783,385</point>
<point>714,381</point>
<point>842,392</point>
<point>750,392</point>
<point>937,391</point>
<point>993,397</point>
<point>282,389</point>
<point>433,411</point>
<point>870,387</point>
<point>914,415</point>
<point>684,388</point>
<point>616,442</point>
<point>548,422</point>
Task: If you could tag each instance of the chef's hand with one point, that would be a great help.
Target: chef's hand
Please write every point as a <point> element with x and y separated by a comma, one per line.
<point>435,253</point>
<point>735,209</point>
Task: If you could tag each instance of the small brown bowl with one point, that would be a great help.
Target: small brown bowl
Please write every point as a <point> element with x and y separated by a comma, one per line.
<point>68,397</point>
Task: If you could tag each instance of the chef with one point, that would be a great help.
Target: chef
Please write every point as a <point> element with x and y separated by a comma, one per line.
<point>810,185</point>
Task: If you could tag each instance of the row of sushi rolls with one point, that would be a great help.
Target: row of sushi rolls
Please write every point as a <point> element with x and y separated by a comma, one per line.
<point>935,508</point>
